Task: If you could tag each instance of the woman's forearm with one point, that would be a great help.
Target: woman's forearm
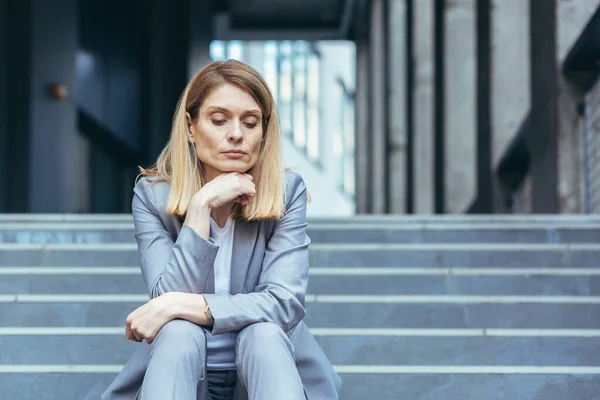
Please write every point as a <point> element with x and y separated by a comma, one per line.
<point>189,306</point>
<point>198,217</point>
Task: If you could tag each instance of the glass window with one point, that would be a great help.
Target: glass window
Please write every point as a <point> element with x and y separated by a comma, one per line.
<point>234,50</point>
<point>312,105</point>
<point>348,183</point>
<point>299,125</point>
<point>313,79</point>
<point>285,119</point>
<point>270,68</point>
<point>347,123</point>
<point>285,86</point>
<point>285,48</point>
<point>299,97</point>
<point>217,50</point>
<point>285,81</point>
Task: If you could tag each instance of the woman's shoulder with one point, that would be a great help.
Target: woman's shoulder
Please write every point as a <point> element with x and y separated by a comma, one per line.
<point>145,180</point>
<point>294,186</point>
<point>292,177</point>
<point>151,187</point>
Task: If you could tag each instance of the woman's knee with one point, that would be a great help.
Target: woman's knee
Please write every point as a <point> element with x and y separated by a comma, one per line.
<point>261,335</point>
<point>181,337</point>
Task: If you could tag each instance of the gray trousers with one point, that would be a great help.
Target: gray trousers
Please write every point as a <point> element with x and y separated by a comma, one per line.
<point>221,384</point>
<point>265,365</point>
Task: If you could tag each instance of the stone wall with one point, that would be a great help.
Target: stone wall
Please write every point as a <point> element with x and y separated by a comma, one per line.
<point>593,124</point>
<point>572,18</point>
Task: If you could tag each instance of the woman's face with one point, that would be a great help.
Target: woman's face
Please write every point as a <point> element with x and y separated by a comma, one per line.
<point>228,131</point>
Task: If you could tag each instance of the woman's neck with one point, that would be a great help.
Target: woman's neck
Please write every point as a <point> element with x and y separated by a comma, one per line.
<point>221,214</point>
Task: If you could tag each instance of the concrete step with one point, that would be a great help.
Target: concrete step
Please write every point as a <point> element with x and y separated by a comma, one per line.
<point>327,233</point>
<point>418,312</point>
<point>448,284</point>
<point>341,350</point>
<point>355,386</point>
<point>581,255</point>
<point>456,386</point>
<point>363,218</point>
<point>457,307</point>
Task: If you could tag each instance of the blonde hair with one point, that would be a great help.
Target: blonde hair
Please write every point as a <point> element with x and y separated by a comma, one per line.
<point>178,162</point>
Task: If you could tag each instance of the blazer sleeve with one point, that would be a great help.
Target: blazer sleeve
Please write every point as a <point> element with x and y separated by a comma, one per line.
<point>279,296</point>
<point>168,265</point>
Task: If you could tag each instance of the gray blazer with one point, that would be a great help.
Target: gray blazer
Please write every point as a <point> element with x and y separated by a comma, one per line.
<point>269,280</point>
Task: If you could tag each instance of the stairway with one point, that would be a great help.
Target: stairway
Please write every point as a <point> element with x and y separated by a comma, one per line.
<point>423,308</point>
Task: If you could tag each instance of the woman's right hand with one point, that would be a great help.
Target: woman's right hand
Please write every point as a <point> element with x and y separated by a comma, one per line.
<point>230,186</point>
<point>227,187</point>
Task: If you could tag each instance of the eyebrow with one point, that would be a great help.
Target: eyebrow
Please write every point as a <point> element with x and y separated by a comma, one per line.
<point>224,110</point>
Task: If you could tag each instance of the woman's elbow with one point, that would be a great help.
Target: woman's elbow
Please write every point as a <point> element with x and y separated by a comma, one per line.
<point>295,313</point>
<point>155,291</point>
<point>163,286</point>
<point>298,316</point>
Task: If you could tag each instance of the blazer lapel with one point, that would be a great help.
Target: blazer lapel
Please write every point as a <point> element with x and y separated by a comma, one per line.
<point>244,240</point>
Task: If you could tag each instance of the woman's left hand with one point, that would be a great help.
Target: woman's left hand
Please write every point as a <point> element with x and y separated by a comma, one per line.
<point>146,321</point>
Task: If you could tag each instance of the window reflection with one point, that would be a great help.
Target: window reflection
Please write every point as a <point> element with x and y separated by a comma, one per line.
<point>312,105</point>
<point>347,140</point>
<point>234,50</point>
<point>271,69</point>
<point>217,50</point>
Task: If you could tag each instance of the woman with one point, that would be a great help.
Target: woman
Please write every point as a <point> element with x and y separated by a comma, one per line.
<point>221,233</point>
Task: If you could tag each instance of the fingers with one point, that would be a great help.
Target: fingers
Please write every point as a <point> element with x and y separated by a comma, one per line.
<point>244,199</point>
<point>131,332</point>
<point>136,336</point>
<point>247,187</point>
<point>128,333</point>
<point>131,335</point>
<point>233,186</point>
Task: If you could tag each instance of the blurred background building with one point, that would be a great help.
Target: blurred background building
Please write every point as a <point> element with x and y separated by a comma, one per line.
<point>386,106</point>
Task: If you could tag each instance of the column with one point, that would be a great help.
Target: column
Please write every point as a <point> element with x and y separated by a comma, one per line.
<point>544,95</point>
<point>423,116</point>
<point>18,110</point>
<point>169,68</point>
<point>460,107</point>
<point>510,83</point>
<point>200,15</point>
<point>43,148</point>
<point>439,116</point>
<point>485,178</point>
<point>362,164</point>
<point>396,98</point>
<point>378,106</point>
<point>4,153</point>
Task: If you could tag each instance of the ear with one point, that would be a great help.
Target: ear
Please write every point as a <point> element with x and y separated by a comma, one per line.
<point>189,127</point>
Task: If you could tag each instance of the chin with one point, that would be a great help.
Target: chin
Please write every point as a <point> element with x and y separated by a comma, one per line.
<point>241,167</point>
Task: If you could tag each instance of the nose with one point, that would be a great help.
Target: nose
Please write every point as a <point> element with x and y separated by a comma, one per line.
<point>235,135</point>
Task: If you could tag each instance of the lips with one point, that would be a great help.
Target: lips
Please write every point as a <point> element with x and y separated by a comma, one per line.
<point>234,153</point>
